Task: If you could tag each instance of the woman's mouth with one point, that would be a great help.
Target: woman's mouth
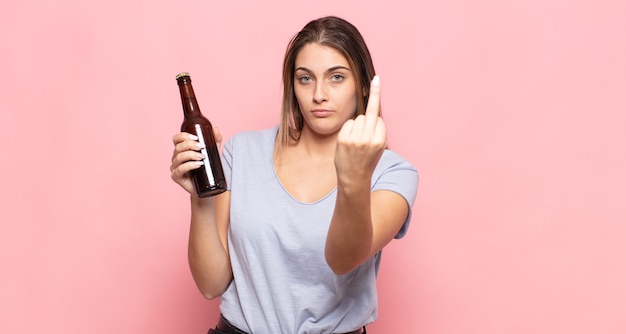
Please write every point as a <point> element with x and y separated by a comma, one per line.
<point>321,113</point>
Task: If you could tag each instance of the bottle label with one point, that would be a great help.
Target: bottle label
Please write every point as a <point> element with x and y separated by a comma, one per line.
<point>207,163</point>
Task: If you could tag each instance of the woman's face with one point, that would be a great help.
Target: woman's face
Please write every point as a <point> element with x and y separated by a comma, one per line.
<point>325,88</point>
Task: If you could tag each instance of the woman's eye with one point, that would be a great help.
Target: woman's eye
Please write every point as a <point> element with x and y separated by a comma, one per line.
<point>304,79</point>
<point>337,77</point>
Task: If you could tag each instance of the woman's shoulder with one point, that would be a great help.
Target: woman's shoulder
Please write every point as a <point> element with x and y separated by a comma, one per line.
<point>392,158</point>
<point>256,137</point>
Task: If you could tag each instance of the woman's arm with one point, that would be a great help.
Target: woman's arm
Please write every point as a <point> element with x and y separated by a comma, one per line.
<point>363,221</point>
<point>208,255</point>
<point>209,260</point>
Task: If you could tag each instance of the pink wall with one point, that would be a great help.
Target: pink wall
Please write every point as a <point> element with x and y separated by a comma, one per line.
<point>513,111</point>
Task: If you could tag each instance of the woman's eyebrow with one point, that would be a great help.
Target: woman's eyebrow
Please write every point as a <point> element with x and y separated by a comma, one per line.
<point>338,67</point>
<point>332,69</point>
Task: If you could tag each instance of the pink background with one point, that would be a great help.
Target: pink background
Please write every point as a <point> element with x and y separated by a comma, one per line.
<point>513,111</point>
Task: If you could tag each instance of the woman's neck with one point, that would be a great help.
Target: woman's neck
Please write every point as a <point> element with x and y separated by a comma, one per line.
<point>316,145</point>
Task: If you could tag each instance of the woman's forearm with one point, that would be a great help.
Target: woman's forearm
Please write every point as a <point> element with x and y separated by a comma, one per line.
<point>208,250</point>
<point>350,235</point>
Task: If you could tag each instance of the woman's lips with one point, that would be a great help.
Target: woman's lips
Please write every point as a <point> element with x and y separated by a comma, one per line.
<point>321,112</point>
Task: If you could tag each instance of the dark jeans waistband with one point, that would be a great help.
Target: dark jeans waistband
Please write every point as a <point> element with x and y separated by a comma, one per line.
<point>225,327</point>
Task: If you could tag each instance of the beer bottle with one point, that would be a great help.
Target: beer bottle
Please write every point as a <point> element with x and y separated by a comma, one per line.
<point>209,178</point>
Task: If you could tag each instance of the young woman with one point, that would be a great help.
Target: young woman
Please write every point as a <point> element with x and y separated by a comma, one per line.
<point>294,245</point>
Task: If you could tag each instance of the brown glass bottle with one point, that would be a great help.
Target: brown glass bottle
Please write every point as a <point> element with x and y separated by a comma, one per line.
<point>209,179</point>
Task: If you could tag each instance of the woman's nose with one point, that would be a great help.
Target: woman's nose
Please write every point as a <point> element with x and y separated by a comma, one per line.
<point>319,94</point>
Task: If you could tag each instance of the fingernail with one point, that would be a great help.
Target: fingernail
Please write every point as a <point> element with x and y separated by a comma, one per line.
<point>199,144</point>
<point>199,163</point>
<point>193,137</point>
<point>376,81</point>
<point>200,156</point>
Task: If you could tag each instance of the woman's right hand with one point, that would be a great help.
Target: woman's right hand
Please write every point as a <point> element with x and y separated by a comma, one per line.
<point>186,157</point>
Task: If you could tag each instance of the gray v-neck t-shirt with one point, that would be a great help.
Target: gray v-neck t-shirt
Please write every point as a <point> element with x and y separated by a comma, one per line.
<point>282,283</point>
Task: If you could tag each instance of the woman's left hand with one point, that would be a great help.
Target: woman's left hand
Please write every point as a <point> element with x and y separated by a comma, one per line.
<point>361,141</point>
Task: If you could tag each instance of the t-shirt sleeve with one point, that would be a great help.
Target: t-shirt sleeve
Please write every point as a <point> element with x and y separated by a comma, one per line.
<point>227,162</point>
<point>398,175</point>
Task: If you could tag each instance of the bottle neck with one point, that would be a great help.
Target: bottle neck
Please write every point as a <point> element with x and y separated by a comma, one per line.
<point>188,97</point>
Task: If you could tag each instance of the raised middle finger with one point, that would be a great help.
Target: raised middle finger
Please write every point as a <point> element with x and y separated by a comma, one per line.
<point>372,112</point>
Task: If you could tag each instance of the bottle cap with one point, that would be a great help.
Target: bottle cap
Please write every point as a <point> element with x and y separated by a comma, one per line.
<point>182,74</point>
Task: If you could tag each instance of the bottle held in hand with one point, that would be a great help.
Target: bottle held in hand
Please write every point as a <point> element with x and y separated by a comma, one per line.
<point>209,178</point>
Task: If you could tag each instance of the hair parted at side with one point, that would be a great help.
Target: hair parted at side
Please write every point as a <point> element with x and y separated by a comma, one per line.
<point>342,36</point>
